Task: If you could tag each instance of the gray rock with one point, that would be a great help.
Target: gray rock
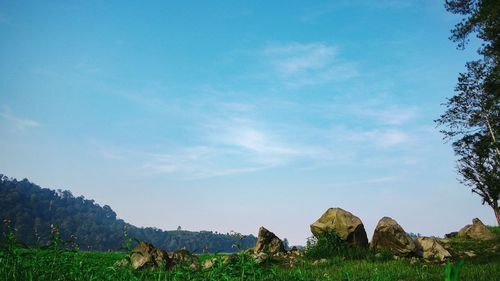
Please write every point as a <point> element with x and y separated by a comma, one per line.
<point>470,254</point>
<point>183,256</point>
<point>268,243</point>
<point>207,264</point>
<point>122,263</point>
<point>261,258</point>
<point>347,226</point>
<point>146,256</point>
<point>320,262</point>
<point>389,235</point>
<point>477,230</point>
<point>431,250</point>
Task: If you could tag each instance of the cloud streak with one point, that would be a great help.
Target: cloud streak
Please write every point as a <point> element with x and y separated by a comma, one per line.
<point>245,134</point>
<point>224,147</point>
<point>238,146</point>
<point>298,64</point>
<point>19,123</point>
<point>381,138</point>
<point>388,115</point>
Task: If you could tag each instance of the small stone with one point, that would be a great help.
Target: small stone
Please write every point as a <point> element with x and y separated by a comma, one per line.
<point>207,264</point>
<point>261,257</point>
<point>194,266</point>
<point>470,254</point>
<point>320,262</point>
<point>122,263</point>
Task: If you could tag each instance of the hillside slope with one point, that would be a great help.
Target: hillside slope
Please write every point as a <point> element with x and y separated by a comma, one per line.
<point>31,210</point>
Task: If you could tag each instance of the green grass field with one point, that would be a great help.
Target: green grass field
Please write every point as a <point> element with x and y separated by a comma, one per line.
<point>35,264</point>
<point>53,263</point>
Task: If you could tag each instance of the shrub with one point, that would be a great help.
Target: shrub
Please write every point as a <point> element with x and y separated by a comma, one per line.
<point>330,245</point>
<point>494,229</point>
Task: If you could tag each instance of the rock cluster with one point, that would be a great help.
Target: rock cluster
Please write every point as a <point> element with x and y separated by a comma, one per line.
<point>147,256</point>
<point>388,236</point>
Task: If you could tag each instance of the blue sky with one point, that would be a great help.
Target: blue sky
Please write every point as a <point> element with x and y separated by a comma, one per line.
<point>228,115</point>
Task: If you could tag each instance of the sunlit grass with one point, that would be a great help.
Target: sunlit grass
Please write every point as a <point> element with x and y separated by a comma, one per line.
<point>56,262</point>
<point>46,264</point>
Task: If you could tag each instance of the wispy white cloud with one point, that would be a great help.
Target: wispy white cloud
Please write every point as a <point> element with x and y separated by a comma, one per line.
<point>110,152</point>
<point>238,106</point>
<point>376,180</point>
<point>189,162</point>
<point>259,142</point>
<point>19,123</point>
<point>376,112</point>
<point>389,138</point>
<point>197,163</point>
<point>243,133</point>
<point>381,138</point>
<point>381,113</point>
<point>224,147</point>
<point>391,115</point>
<point>229,147</point>
<point>308,64</point>
<point>295,58</point>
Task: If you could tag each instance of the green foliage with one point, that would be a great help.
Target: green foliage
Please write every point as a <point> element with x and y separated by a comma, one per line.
<point>472,118</point>
<point>452,271</point>
<point>32,210</point>
<point>325,246</point>
<point>330,245</point>
<point>495,230</point>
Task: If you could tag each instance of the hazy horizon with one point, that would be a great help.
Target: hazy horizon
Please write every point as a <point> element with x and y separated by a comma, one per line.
<point>233,115</point>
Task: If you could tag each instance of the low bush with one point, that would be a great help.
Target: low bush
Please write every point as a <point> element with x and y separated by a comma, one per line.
<point>494,229</point>
<point>330,245</point>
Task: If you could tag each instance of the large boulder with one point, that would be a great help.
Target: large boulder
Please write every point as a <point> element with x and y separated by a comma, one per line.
<point>390,236</point>
<point>146,256</point>
<point>268,242</point>
<point>430,249</point>
<point>346,225</point>
<point>477,230</point>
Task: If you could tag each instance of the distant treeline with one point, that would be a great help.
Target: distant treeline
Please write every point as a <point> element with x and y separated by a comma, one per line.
<point>31,210</point>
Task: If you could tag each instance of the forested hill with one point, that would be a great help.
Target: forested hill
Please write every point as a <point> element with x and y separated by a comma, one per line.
<point>31,210</point>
